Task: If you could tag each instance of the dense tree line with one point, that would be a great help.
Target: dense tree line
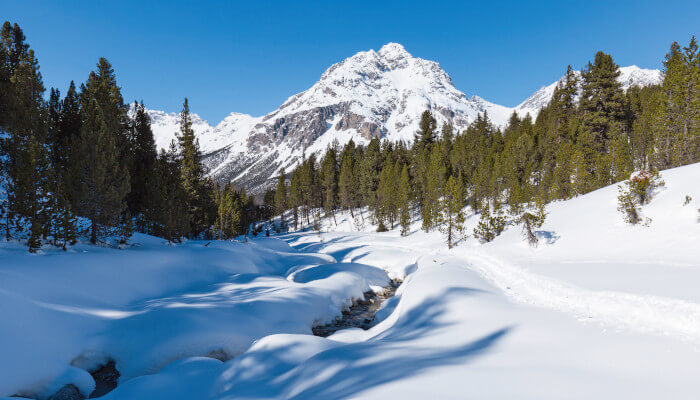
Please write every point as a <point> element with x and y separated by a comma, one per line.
<point>86,164</point>
<point>592,134</point>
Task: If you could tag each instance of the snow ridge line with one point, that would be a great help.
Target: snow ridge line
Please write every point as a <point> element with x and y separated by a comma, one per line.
<point>643,313</point>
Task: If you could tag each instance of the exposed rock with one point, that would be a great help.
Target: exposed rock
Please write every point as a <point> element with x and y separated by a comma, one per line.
<point>68,392</point>
<point>220,354</point>
<point>106,379</point>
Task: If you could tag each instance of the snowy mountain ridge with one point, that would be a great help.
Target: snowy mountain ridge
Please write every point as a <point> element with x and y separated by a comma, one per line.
<point>373,94</point>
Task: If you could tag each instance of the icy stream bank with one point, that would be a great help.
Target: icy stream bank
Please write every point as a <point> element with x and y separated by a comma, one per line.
<point>361,314</point>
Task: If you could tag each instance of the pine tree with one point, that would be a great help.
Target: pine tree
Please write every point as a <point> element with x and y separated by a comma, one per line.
<point>426,134</point>
<point>231,208</point>
<point>490,225</point>
<point>603,112</point>
<point>451,216</point>
<point>295,195</point>
<point>101,181</point>
<point>347,183</point>
<point>387,193</point>
<point>280,200</point>
<point>678,137</point>
<point>199,202</point>
<point>169,215</point>
<point>143,154</point>
<point>434,184</point>
<point>24,152</point>
<point>532,219</point>
<point>404,201</point>
<point>329,181</point>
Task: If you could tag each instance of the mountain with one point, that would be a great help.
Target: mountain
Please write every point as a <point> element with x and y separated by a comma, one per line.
<point>373,94</point>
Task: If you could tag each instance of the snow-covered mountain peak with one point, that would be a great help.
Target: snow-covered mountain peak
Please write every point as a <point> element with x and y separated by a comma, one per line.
<point>371,94</point>
<point>393,50</point>
<point>635,76</point>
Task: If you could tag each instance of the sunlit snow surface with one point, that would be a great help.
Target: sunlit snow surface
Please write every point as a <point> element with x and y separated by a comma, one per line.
<point>599,309</point>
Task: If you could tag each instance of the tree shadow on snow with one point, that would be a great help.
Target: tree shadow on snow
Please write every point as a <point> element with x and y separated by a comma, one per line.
<point>347,370</point>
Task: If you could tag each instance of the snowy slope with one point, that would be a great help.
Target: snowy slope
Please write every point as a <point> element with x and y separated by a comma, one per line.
<point>373,94</point>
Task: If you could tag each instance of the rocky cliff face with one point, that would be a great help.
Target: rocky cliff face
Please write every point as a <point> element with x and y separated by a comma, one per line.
<point>371,94</point>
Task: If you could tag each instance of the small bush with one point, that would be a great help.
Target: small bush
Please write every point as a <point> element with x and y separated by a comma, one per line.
<point>627,205</point>
<point>531,220</point>
<point>643,185</point>
<point>490,225</point>
<point>687,200</point>
<point>636,192</point>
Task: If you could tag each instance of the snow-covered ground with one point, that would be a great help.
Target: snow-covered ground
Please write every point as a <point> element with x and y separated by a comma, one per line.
<point>600,309</point>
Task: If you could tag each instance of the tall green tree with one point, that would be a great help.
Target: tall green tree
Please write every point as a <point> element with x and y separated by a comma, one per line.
<point>102,181</point>
<point>451,216</point>
<point>143,155</point>
<point>169,216</point>
<point>348,180</point>
<point>426,134</point>
<point>329,181</point>
<point>24,151</point>
<point>281,203</point>
<point>603,118</point>
<point>434,185</point>
<point>199,200</point>
<point>404,201</point>
<point>678,136</point>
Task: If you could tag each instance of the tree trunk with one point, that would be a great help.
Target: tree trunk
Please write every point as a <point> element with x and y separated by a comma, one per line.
<point>93,232</point>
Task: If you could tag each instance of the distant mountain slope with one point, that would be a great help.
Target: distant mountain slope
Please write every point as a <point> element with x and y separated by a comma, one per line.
<point>371,94</point>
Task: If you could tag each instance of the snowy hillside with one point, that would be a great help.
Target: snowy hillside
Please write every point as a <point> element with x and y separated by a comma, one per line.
<point>373,94</point>
<point>600,309</point>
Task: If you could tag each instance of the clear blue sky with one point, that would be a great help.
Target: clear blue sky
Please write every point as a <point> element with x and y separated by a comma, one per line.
<point>251,56</point>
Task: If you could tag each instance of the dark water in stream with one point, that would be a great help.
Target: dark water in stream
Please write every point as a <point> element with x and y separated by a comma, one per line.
<point>360,314</point>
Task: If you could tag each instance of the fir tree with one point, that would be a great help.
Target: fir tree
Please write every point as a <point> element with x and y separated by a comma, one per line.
<point>347,180</point>
<point>24,152</point>
<point>603,112</point>
<point>434,184</point>
<point>199,201</point>
<point>404,201</point>
<point>530,220</point>
<point>280,200</point>
<point>426,134</point>
<point>143,155</point>
<point>169,216</point>
<point>678,129</point>
<point>101,181</point>
<point>387,192</point>
<point>451,216</point>
<point>329,181</point>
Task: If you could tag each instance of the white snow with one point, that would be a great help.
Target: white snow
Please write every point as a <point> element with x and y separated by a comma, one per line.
<point>600,309</point>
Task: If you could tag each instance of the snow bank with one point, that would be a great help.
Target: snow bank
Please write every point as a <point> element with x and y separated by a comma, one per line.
<point>152,304</point>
